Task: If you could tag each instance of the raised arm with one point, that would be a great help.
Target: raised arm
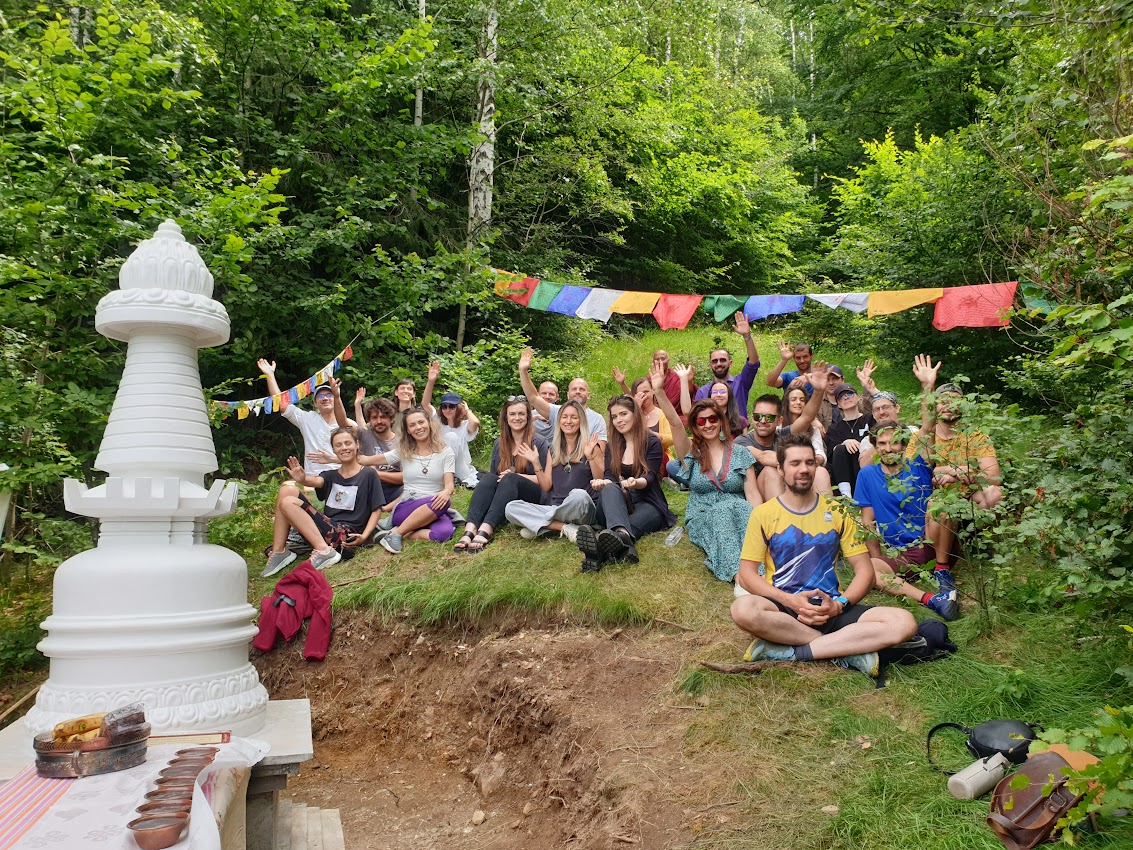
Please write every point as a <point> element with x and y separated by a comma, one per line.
<point>359,397</point>
<point>537,401</point>
<point>926,373</point>
<point>542,473</point>
<point>473,421</point>
<point>785,356</point>
<point>620,379</point>
<point>268,368</point>
<point>300,476</point>
<point>595,454</point>
<point>685,374</point>
<point>743,328</point>
<point>339,410</point>
<point>681,442</point>
<point>430,383</point>
<point>819,379</point>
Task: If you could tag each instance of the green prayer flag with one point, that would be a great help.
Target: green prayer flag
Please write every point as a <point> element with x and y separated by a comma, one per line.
<point>544,294</point>
<point>723,307</point>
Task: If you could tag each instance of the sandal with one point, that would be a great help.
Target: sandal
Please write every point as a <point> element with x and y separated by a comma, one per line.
<point>464,543</point>
<point>479,543</point>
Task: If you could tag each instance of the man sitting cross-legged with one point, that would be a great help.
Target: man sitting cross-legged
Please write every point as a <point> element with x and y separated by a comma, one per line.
<point>787,566</point>
<point>353,501</point>
<point>894,495</point>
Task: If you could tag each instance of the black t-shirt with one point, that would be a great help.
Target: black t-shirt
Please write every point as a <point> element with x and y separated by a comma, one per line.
<point>350,501</point>
<point>847,429</point>
<point>562,482</point>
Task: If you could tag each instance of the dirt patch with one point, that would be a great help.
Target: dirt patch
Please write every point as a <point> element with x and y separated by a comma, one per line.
<point>557,736</point>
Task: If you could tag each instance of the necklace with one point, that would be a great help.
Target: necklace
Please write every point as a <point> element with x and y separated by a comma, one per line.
<point>424,464</point>
<point>566,468</point>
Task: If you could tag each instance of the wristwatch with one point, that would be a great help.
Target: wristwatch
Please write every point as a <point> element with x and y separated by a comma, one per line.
<point>846,603</point>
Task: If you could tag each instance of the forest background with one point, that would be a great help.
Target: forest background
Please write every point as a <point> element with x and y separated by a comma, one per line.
<point>332,161</point>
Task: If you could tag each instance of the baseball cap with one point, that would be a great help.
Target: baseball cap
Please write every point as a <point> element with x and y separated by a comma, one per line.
<point>322,387</point>
<point>844,389</point>
<point>451,398</point>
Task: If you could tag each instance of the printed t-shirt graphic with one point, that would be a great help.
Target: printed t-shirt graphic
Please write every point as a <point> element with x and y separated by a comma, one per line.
<point>799,550</point>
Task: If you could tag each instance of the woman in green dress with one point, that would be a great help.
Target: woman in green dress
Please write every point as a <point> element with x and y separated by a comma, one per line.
<point>722,482</point>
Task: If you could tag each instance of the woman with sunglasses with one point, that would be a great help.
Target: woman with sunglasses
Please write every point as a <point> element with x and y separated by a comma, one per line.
<point>630,500</point>
<point>459,426</point>
<point>575,458</point>
<point>428,466</point>
<point>796,399</point>
<point>517,455</point>
<point>722,482</point>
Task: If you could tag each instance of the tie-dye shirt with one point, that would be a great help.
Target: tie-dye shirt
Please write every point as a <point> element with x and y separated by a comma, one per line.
<point>798,552</point>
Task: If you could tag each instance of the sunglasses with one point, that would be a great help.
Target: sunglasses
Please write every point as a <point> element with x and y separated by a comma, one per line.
<point>710,419</point>
<point>512,399</point>
<point>764,417</point>
<point>449,406</point>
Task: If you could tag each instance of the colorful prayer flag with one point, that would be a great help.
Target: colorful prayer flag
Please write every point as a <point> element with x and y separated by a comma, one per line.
<point>293,395</point>
<point>635,303</point>
<point>895,301</point>
<point>268,406</point>
<point>242,411</point>
<point>675,311</point>
<point>983,305</point>
<point>762,306</point>
<point>569,300</point>
<point>598,303</point>
<point>544,294</point>
<point>723,307</point>
<point>855,302</point>
<point>347,353</point>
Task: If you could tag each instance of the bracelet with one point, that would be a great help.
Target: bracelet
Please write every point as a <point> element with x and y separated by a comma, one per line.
<point>846,603</point>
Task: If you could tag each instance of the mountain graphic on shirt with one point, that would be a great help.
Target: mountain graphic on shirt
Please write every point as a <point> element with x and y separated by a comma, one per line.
<point>804,561</point>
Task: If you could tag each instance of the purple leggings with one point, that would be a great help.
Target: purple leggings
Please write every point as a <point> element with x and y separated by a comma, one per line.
<point>440,529</point>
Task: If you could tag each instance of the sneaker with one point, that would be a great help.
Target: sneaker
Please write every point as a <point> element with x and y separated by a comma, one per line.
<point>528,534</point>
<point>276,562</point>
<point>944,604</point>
<point>761,650</point>
<point>392,543</point>
<point>386,523</point>
<point>867,663</point>
<point>322,560</point>
<point>945,580</point>
<point>587,542</point>
<point>570,531</point>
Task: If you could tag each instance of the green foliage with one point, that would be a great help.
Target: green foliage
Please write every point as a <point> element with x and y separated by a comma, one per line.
<point>247,530</point>
<point>20,632</point>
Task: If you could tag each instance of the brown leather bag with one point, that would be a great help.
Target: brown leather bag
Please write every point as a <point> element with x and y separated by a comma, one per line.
<point>1023,818</point>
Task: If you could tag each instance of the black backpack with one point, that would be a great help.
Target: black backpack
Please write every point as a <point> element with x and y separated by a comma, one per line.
<point>930,643</point>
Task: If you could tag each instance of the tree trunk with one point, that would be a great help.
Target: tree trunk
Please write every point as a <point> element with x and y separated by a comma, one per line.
<point>483,158</point>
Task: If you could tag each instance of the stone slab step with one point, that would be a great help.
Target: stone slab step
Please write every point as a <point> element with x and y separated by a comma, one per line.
<point>301,827</point>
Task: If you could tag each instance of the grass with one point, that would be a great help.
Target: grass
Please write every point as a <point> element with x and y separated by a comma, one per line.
<point>793,741</point>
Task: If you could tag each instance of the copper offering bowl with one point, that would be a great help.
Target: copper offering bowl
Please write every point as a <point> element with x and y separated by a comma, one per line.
<point>191,761</point>
<point>189,770</point>
<point>182,794</point>
<point>166,807</point>
<point>156,832</point>
<point>199,751</point>
<point>184,782</point>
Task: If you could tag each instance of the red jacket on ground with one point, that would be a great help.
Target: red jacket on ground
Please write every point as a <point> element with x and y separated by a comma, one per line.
<point>301,594</point>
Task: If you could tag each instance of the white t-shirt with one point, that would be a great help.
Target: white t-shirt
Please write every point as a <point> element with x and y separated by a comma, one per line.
<point>424,475</point>
<point>458,439</point>
<point>316,436</point>
<point>594,421</point>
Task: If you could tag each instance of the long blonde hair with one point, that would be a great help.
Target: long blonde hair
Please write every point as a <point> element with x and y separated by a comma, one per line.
<point>407,446</point>
<point>559,454</point>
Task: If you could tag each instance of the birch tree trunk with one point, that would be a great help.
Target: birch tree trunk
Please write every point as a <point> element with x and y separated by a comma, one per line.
<point>483,159</point>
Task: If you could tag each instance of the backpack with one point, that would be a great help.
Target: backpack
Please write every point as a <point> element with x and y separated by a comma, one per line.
<point>930,643</point>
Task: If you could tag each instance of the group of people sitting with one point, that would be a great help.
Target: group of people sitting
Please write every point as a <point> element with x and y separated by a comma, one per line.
<point>761,485</point>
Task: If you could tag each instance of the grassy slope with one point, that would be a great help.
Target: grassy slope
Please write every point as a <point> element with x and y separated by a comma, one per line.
<point>794,740</point>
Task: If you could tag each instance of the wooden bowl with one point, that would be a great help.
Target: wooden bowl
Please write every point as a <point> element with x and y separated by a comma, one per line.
<point>156,832</point>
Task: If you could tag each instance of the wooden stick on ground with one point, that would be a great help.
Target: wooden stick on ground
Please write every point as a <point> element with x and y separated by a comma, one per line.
<point>747,666</point>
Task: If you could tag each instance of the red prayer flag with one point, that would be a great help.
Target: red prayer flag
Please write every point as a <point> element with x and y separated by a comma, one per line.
<point>347,354</point>
<point>984,305</point>
<point>673,312</point>
<point>517,290</point>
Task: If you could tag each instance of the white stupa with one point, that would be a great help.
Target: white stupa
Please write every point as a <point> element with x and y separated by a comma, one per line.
<point>155,614</point>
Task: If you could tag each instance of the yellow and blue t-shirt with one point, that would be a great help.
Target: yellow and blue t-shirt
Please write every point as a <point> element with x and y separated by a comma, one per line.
<point>799,551</point>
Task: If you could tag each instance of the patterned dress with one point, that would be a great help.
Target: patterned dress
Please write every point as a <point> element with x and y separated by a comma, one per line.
<point>716,518</point>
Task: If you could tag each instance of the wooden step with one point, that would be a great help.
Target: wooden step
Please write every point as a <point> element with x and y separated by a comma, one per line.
<point>302,827</point>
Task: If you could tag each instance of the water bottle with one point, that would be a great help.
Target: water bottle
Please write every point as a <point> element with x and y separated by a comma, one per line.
<point>674,536</point>
<point>978,778</point>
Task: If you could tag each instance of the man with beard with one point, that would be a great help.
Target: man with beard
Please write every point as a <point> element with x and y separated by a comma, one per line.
<point>720,362</point>
<point>795,609</point>
<point>894,495</point>
<point>316,425</point>
<point>886,410</point>
<point>965,462</point>
<point>578,390</point>
<point>802,355</point>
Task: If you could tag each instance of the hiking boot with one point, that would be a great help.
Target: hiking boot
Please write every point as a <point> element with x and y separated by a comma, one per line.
<point>276,562</point>
<point>944,604</point>
<point>587,542</point>
<point>590,565</point>
<point>615,547</point>
<point>392,543</point>
<point>867,663</point>
<point>570,531</point>
<point>945,580</point>
<point>762,650</point>
<point>322,560</point>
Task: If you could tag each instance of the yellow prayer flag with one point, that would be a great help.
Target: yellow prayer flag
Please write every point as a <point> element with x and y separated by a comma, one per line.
<point>242,411</point>
<point>636,302</point>
<point>884,303</point>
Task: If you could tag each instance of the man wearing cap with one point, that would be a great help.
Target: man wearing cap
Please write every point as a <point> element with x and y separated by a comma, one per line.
<point>965,461</point>
<point>721,363</point>
<point>579,390</point>
<point>844,436</point>
<point>315,425</point>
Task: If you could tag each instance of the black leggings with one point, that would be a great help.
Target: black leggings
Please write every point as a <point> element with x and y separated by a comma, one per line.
<point>844,466</point>
<point>491,497</point>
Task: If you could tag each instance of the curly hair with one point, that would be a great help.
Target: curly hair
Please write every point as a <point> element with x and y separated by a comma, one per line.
<point>407,446</point>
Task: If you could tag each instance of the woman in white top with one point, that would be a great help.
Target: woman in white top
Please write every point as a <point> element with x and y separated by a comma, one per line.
<point>796,401</point>
<point>459,426</point>
<point>429,470</point>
